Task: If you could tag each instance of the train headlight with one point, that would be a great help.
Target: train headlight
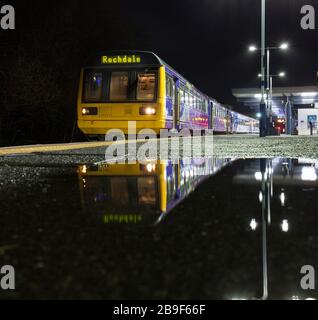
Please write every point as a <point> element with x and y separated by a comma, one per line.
<point>89,111</point>
<point>147,111</point>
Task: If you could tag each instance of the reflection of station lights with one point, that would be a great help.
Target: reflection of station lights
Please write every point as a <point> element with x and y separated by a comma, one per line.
<point>285,226</point>
<point>253,224</point>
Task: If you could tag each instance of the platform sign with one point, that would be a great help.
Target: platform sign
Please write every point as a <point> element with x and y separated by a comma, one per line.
<point>312,119</point>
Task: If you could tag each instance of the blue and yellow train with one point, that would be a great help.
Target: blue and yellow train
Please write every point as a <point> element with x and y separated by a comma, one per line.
<point>138,86</point>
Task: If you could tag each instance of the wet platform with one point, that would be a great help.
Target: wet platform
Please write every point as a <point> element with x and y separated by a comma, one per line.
<point>217,228</point>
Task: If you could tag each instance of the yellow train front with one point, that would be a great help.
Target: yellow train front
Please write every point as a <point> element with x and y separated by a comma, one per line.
<point>137,86</point>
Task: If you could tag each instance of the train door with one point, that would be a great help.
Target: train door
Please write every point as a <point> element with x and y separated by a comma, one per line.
<point>176,104</point>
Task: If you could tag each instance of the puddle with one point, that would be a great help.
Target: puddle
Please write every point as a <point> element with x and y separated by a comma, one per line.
<point>204,229</point>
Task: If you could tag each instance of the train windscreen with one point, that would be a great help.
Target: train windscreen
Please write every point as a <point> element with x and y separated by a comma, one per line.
<point>120,85</point>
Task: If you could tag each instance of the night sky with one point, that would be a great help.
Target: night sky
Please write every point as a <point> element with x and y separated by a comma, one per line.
<point>205,40</point>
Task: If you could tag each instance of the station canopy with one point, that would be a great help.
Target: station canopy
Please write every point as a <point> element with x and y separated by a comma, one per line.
<point>300,97</point>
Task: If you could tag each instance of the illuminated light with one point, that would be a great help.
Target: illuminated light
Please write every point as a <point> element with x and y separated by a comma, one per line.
<point>149,111</point>
<point>282,74</point>
<point>258,115</point>
<point>121,59</point>
<point>259,96</point>
<point>260,75</point>
<point>258,176</point>
<point>89,111</point>
<point>310,299</point>
<point>308,174</point>
<point>150,167</point>
<point>285,226</point>
<point>260,197</point>
<point>309,94</point>
<point>84,169</point>
<point>253,224</point>
<point>282,199</point>
<point>308,101</point>
<point>252,48</point>
<point>295,298</point>
<point>284,46</point>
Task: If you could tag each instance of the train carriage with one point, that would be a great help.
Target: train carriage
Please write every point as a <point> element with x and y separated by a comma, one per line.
<point>138,86</point>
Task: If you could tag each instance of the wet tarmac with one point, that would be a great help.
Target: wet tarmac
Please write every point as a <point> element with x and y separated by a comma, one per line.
<point>217,228</point>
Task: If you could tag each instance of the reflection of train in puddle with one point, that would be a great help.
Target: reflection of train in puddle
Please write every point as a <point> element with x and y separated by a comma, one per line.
<point>142,193</point>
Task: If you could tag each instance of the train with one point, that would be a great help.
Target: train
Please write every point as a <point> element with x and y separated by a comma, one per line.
<point>142,194</point>
<point>123,86</point>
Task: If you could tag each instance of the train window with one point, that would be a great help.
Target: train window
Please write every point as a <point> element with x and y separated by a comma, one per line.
<point>119,86</point>
<point>192,101</point>
<point>146,86</point>
<point>169,87</point>
<point>93,86</point>
<point>146,190</point>
<point>187,98</point>
<point>182,96</point>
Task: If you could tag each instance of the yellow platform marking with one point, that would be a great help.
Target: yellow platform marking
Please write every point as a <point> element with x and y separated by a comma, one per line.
<point>62,147</point>
<point>52,147</point>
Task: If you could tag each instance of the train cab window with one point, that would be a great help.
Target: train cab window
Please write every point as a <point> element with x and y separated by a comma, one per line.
<point>146,190</point>
<point>93,86</point>
<point>146,85</point>
<point>119,86</point>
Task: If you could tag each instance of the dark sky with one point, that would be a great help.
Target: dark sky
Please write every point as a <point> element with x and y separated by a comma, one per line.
<point>205,40</point>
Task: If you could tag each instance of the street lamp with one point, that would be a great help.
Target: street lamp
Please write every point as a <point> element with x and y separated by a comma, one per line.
<point>284,46</point>
<point>252,48</point>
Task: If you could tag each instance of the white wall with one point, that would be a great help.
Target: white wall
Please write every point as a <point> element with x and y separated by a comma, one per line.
<point>303,114</point>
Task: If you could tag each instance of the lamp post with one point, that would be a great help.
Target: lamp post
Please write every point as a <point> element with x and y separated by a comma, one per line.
<point>263,127</point>
<point>270,87</point>
<point>265,108</point>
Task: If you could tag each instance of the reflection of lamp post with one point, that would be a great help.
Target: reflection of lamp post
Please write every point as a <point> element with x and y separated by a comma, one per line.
<point>266,170</point>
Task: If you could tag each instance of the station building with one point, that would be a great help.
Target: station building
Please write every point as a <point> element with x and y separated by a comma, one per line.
<point>295,106</point>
